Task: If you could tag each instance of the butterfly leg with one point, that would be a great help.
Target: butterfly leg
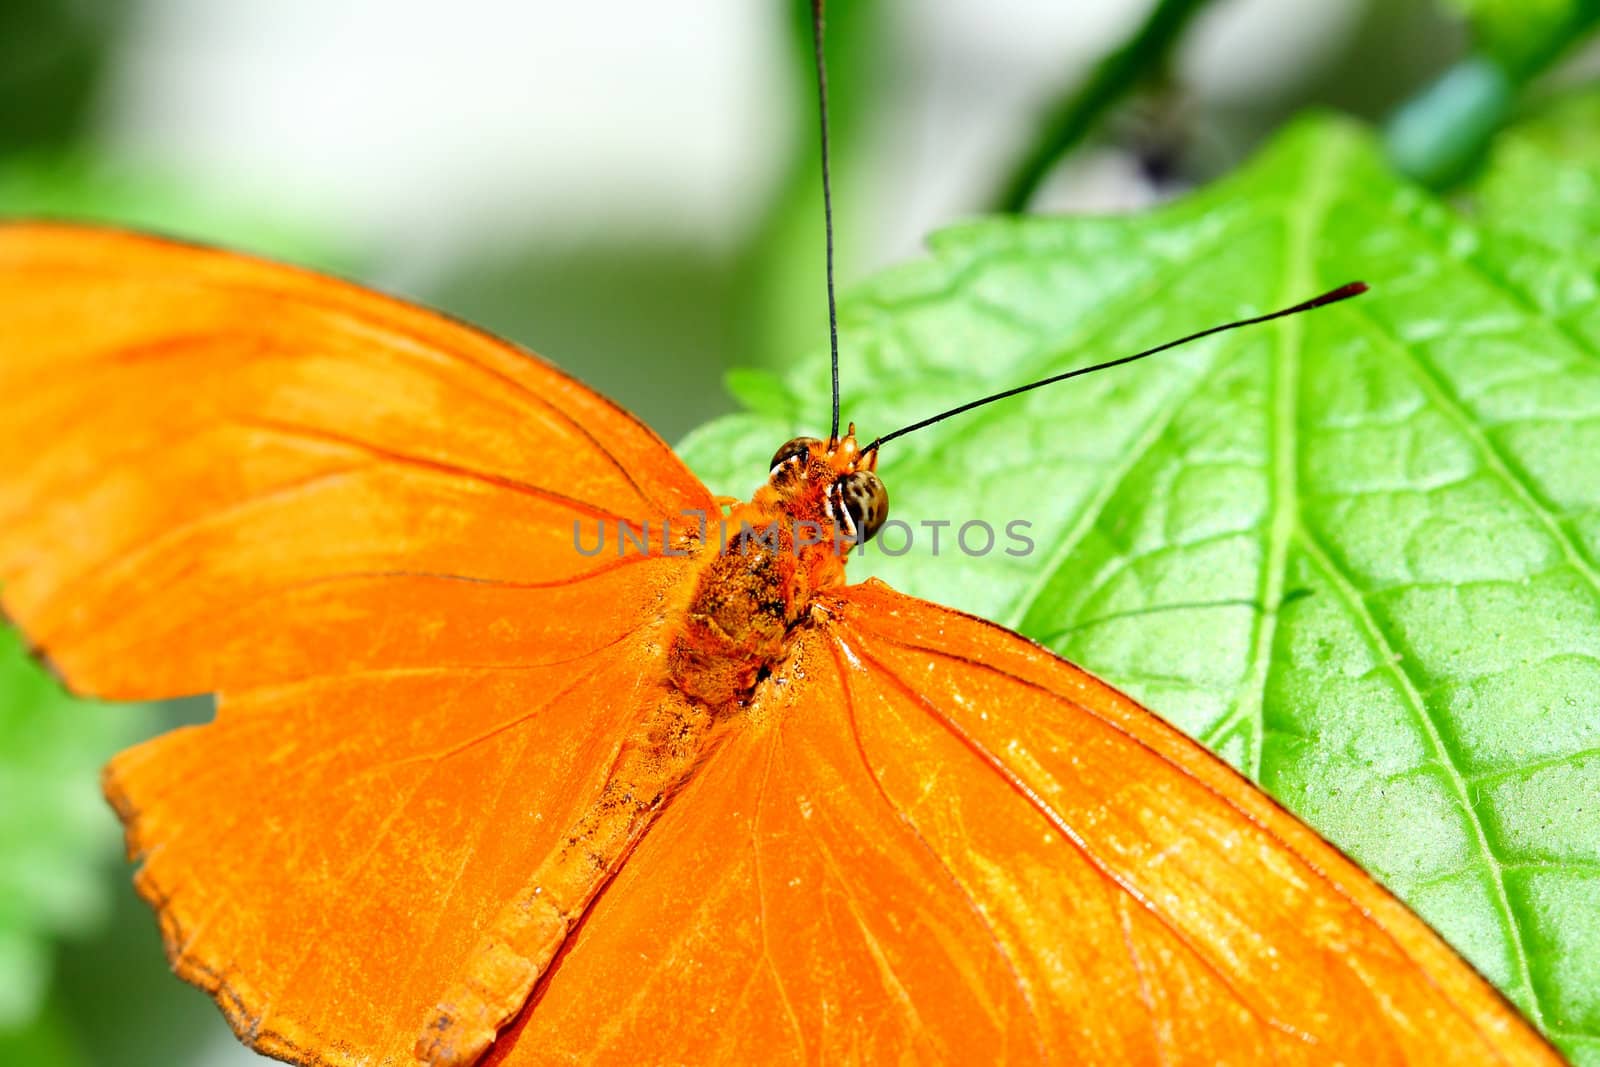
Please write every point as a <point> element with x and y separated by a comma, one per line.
<point>653,763</point>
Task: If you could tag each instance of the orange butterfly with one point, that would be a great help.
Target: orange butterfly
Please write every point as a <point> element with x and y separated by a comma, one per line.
<point>472,789</point>
<point>695,804</point>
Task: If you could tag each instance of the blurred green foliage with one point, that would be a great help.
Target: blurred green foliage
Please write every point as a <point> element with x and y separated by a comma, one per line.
<point>1440,135</point>
<point>75,185</point>
<point>44,1040</point>
<point>1543,179</point>
<point>639,318</point>
<point>52,58</point>
<point>778,305</point>
<point>1086,102</point>
<point>1524,36</point>
<point>54,834</point>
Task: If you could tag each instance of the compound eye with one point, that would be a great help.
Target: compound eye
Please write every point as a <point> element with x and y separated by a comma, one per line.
<point>863,503</point>
<point>797,449</point>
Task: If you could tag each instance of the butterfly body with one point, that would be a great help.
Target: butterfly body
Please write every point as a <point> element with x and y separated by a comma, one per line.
<point>763,565</point>
<point>755,582</point>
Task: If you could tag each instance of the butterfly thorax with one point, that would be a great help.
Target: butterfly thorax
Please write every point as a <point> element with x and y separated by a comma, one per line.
<point>771,556</point>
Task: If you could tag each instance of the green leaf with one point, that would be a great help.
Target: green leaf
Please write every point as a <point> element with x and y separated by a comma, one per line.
<point>1542,181</point>
<point>56,833</point>
<point>760,390</point>
<point>1525,35</point>
<point>1355,552</point>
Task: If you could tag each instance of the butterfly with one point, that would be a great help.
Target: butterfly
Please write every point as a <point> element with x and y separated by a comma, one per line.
<point>474,794</point>
<point>470,791</point>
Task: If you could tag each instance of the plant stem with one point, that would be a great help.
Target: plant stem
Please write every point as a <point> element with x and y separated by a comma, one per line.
<point>1078,111</point>
<point>1436,136</point>
<point>1439,134</point>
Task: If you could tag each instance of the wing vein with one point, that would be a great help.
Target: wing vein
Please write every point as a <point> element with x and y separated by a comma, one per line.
<point>312,943</point>
<point>761,898</point>
<point>1288,847</point>
<point>387,329</point>
<point>1157,1035</point>
<point>960,887</point>
<point>435,466</point>
<point>1071,834</point>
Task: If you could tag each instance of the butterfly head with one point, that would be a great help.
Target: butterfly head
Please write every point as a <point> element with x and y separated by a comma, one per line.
<point>832,481</point>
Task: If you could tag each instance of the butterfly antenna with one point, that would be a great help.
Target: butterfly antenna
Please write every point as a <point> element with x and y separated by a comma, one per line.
<point>827,206</point>
<point>1333,296</point>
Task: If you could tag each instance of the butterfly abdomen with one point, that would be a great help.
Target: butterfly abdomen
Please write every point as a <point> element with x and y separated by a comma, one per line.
<point>656,759</point>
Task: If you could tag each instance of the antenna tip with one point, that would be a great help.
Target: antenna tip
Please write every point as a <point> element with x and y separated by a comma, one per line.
<point>1332,296</point>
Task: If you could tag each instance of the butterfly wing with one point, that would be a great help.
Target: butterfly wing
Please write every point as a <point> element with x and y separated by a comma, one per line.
<point>221,472</point>
<point>354,519</point>
<point>941,843</point>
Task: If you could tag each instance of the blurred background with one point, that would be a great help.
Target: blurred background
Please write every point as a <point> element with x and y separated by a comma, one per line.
<point>628,188</point>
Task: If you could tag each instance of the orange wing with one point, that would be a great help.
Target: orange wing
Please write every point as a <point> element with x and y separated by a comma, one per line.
<point>938,842</point>
<point>220,472</point>
<point>354,519</point>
